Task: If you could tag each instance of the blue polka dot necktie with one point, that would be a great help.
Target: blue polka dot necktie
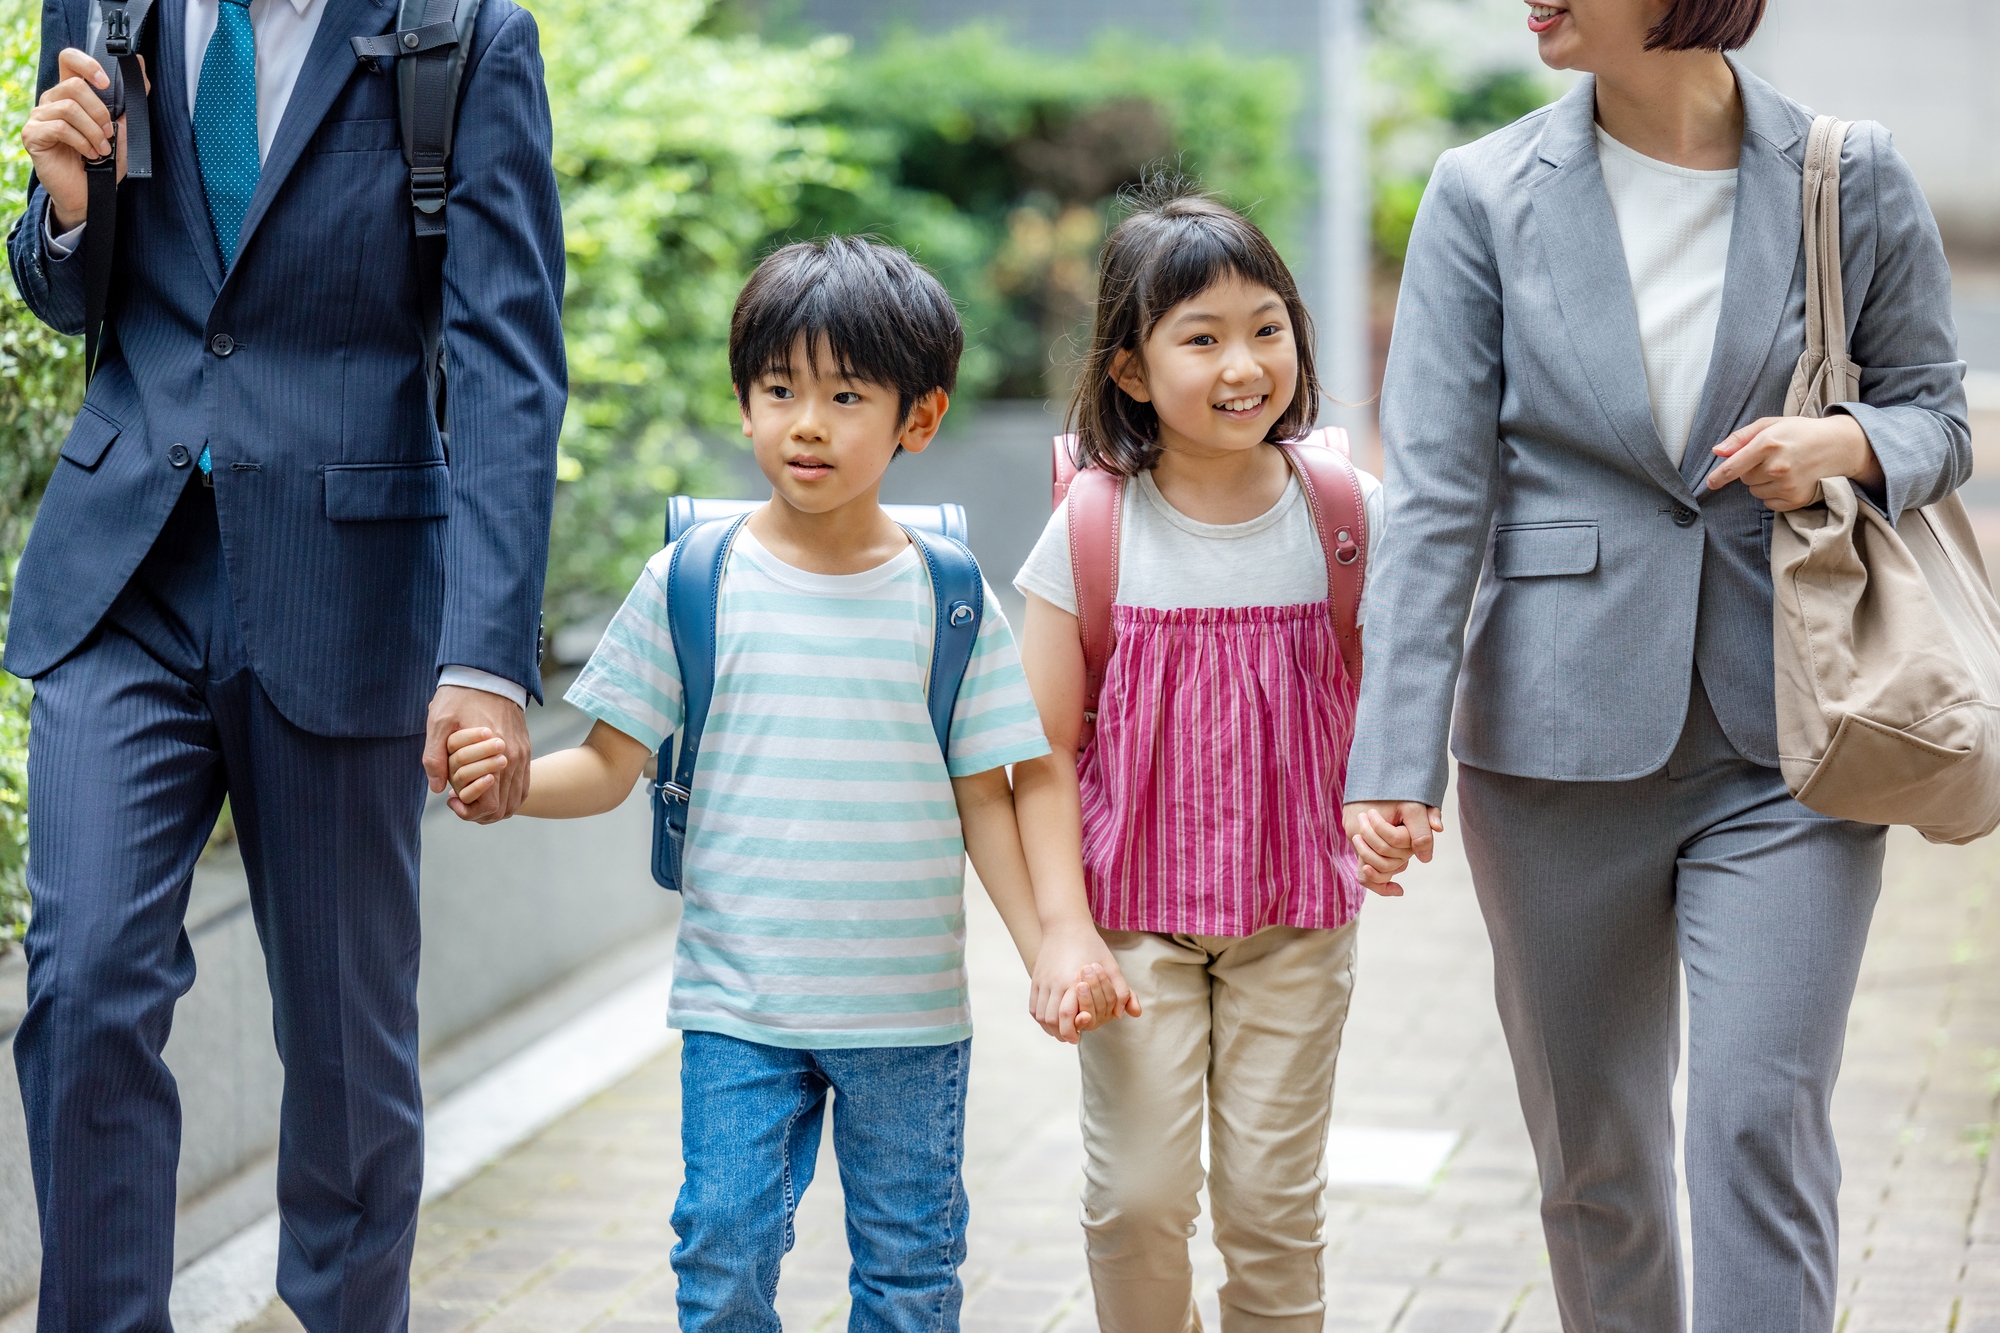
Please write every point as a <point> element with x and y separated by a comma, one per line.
<point>225,123</point>
<point>225,131</point>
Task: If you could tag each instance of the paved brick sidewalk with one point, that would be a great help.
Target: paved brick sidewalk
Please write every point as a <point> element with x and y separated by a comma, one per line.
<point>570,1232</point>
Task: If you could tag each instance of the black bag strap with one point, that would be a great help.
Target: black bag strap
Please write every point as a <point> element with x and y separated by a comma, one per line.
<point>426,52</point>
<point>120,26</point>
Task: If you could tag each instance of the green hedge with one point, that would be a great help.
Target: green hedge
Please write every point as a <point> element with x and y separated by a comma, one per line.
<point>685,155</point>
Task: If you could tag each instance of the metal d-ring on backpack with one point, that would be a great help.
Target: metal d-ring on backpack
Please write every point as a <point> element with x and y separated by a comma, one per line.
<point>115,45</point>
<point>426,51</point>
<point>705,529</point>
<point>1333,493</point>
<point>1887,639</point>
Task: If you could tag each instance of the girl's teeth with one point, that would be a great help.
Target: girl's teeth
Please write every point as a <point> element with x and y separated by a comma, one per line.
<point>1241,404</point>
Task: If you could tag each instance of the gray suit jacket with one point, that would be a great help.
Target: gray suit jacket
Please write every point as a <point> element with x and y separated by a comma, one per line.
<point>1523,460</point>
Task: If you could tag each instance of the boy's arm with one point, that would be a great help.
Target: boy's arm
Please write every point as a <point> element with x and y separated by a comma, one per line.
<point>588,780</point>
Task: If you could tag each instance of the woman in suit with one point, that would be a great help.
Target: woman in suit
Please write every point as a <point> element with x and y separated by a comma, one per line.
<point>1600,314</point>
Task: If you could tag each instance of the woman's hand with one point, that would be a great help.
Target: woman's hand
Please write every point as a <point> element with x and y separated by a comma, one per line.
<point>1387,834</point>
<point>1783,459</point>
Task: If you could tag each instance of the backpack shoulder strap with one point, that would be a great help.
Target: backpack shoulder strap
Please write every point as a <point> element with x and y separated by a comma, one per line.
<point>1333,492</point>
<point>959,608</point>
<point>121,27</point>
<point>425,53</point>
<point>694,591</point>
<point>1064,470</point>
<point>1095,498</point>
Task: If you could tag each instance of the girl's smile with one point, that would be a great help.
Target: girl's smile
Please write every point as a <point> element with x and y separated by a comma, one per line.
<point>1244,409</point>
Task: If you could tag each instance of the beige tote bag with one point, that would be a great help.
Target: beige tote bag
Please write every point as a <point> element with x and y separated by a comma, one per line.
<point>1887,638</point>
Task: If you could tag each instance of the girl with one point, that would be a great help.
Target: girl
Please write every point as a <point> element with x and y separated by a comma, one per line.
<point>1215,869</point>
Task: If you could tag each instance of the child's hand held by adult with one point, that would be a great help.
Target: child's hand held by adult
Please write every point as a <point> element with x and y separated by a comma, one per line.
<point>477,757</point>
<point>1386,835</point>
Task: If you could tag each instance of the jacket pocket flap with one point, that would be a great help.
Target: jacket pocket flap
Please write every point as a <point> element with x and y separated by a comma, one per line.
<point>360,492</point>
<point>1543,550</point>
<point>90,435</point>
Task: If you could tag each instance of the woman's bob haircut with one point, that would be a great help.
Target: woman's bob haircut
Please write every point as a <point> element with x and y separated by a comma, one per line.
<point>1176,243</point>
<point>1706,25</point>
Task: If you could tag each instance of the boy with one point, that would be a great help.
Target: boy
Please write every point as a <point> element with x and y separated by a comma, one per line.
<point>821,945</point>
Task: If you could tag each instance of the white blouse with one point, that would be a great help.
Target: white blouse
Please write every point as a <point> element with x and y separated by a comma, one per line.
<point>1675,224</point>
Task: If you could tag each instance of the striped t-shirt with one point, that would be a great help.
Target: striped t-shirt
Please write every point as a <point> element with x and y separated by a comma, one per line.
<point>824,871</point>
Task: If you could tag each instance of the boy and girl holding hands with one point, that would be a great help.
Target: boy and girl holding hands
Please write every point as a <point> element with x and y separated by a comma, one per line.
<point>1185,863</point>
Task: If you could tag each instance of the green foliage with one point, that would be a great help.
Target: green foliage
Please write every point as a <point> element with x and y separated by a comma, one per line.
<point>998,166</point>
<point>687,147</point>
<point>41,381</point>
<point>678,154</point>
<point>1421,109</point>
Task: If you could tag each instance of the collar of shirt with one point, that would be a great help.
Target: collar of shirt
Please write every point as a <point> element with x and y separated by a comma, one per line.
<point>284,30</point>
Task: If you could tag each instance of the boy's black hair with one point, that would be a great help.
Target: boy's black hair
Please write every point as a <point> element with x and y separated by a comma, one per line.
<point>868,310</point>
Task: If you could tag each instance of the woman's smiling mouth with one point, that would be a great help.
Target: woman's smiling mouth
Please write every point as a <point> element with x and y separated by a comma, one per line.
<point>1543,17</point>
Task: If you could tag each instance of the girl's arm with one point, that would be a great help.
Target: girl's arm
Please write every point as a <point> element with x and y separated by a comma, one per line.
<point>993,841</point>
<point>588,780</point>
<point>1051,811</point>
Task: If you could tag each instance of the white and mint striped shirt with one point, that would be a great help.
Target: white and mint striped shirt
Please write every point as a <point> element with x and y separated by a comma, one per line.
<point>824,872</point>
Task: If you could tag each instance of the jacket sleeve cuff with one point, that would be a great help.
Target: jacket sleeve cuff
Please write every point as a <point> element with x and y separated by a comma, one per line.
<point>472,678</point>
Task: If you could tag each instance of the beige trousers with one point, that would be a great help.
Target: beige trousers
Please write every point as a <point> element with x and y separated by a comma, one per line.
<point>1256,1021</point>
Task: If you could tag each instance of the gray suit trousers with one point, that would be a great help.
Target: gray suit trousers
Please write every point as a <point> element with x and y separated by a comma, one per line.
<point>1595,894</point>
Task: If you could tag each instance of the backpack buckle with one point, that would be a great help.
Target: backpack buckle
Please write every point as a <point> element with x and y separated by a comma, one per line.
<point>673,791</point>
<point>427,189</point>
<point>117,32</point>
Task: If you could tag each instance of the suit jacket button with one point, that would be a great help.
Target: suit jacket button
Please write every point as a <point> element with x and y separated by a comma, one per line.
<point>222,344</point>
<point>1684,516</point>
<point>179,456</point>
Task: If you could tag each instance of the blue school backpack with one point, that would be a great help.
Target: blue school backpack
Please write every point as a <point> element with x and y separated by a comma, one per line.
<point>694,585</point>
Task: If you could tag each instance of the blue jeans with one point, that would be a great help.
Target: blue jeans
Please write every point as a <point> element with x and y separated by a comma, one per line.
<point>750,1120</point>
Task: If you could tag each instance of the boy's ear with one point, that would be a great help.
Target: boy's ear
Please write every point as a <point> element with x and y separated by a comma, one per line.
<point>1126,374</point>
<point>921,426</point>
<point>743,409</point>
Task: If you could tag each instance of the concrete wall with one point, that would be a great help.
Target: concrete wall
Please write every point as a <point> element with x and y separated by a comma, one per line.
<point>1930,72</point>
<point>507,911</point>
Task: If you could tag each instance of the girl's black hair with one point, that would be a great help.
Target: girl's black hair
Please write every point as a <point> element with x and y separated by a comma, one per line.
<point>873,313</point>
<point>1177,242</point>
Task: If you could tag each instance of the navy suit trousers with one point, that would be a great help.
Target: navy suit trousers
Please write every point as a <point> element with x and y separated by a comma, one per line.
<point>135,740</point>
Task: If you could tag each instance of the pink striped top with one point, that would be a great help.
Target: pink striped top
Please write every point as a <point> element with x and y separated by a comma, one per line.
<point>1212,791</point>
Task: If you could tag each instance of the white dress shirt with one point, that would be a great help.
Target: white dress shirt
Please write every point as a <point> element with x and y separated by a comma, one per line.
<point>284,32</point>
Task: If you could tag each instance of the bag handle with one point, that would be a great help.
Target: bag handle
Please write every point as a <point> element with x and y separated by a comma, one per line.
<point>1824,375</point>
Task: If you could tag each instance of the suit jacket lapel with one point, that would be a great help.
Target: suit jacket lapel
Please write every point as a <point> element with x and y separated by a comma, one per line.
<point>1586,262</point>
<point>329,64</point>
<point>173,133</point>
<point>1764,254</point>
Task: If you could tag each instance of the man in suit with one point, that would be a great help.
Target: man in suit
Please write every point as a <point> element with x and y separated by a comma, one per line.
<point>263,570</point>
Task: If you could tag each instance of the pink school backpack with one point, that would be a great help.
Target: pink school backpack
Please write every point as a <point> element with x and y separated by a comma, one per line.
<point>1333,492</point>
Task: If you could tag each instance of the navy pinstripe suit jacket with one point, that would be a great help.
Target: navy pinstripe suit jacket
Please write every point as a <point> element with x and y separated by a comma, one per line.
<point>360,556</point>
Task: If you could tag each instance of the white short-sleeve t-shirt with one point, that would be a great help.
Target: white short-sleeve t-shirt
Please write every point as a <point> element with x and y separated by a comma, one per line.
<point>1166,559</point>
